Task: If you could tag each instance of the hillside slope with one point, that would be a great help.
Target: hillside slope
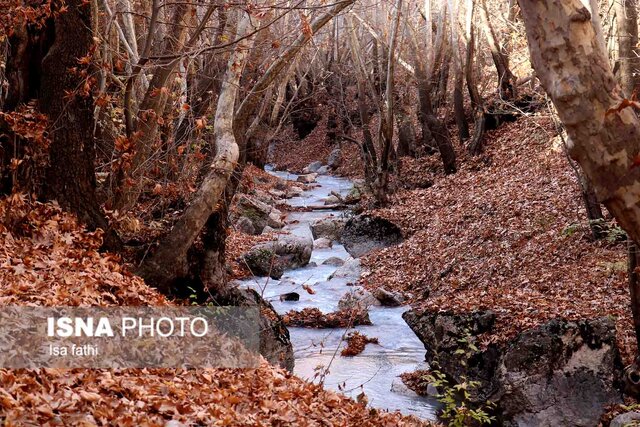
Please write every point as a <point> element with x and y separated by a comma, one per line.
<point>508,232</point>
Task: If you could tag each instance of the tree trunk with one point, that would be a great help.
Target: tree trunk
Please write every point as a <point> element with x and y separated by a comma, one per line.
<point>168,262</point>
<point>70,177</point>
<point>604,135</point>
<point>406,134</point>
<point>627,23</point>
<point>475,145</point>
<point>506,79</point>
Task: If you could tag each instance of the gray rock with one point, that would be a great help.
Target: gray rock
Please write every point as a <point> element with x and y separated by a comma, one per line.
<point>312,168</point>
<point>281,185</point>
<point>263,261</point>
<point>330,227</point>
<point>432,390</point>
<point>626,419</point>
<point>332,200</point>
<point>295,191</point>
<point>255,210</point>
<point>244,225</point>
<point>334,261</point>
<point>278,194</point>
<point>388,298</point>
<point>264,197</point>
<point>324,170</point>
<point>358,299</point>
<point>296,250</point>
<point>364,233</point>
<point>398,386</point>
<point>322,243</point>
<point>560,373</point>
<point>275,344</point>
<point>274,220</point>
<point>334,159</point>
<point>350,270</point>
<point>268,229</point>
<point>290,296</point>
<point>308,178</point>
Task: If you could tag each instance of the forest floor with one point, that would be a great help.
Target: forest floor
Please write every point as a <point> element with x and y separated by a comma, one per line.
<point>48,260</point>
<point>507,232</point>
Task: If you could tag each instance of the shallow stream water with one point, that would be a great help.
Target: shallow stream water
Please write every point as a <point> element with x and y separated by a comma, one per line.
<point>375,371</point>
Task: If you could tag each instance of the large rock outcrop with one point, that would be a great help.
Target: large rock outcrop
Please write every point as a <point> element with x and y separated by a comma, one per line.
<point>560,373</point>
<point>364,233</point>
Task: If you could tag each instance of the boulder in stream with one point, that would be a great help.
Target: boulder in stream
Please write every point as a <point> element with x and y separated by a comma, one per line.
<point>559,373</point>
<point>350,270</point>
<point>307,178</point>
<point>364,233</point>
<point>359,299</point>
<point>290,296</point>
<point>263,261</point>
<point>330,227</point>
<point>272,258</point>
<point>388,298</point>
<point>331,200</point>
<point>333,261</point>
<point>324,170</point>
<point>312,168</point>
<point>322,243</point>
<point>255,210</point>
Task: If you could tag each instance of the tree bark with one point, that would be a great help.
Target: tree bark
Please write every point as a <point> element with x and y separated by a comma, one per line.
<point>70,177</point>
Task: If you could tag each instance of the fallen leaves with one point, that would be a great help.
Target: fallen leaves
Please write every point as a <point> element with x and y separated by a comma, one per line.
<point>492,236</point>
<point>356,342</point>
<point>312,317</point>
<point>59,264</point>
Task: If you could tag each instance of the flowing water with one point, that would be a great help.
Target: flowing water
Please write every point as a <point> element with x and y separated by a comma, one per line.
<point>317,351</point>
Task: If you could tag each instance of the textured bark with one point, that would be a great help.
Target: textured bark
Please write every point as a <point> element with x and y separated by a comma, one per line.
<point>573,67</point>
<point>434,132</point>
<point>70,177</point>
<point>385,132</point>
<point>168,261</point>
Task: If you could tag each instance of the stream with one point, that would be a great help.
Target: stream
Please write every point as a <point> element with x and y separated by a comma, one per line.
<point>378,367</point>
